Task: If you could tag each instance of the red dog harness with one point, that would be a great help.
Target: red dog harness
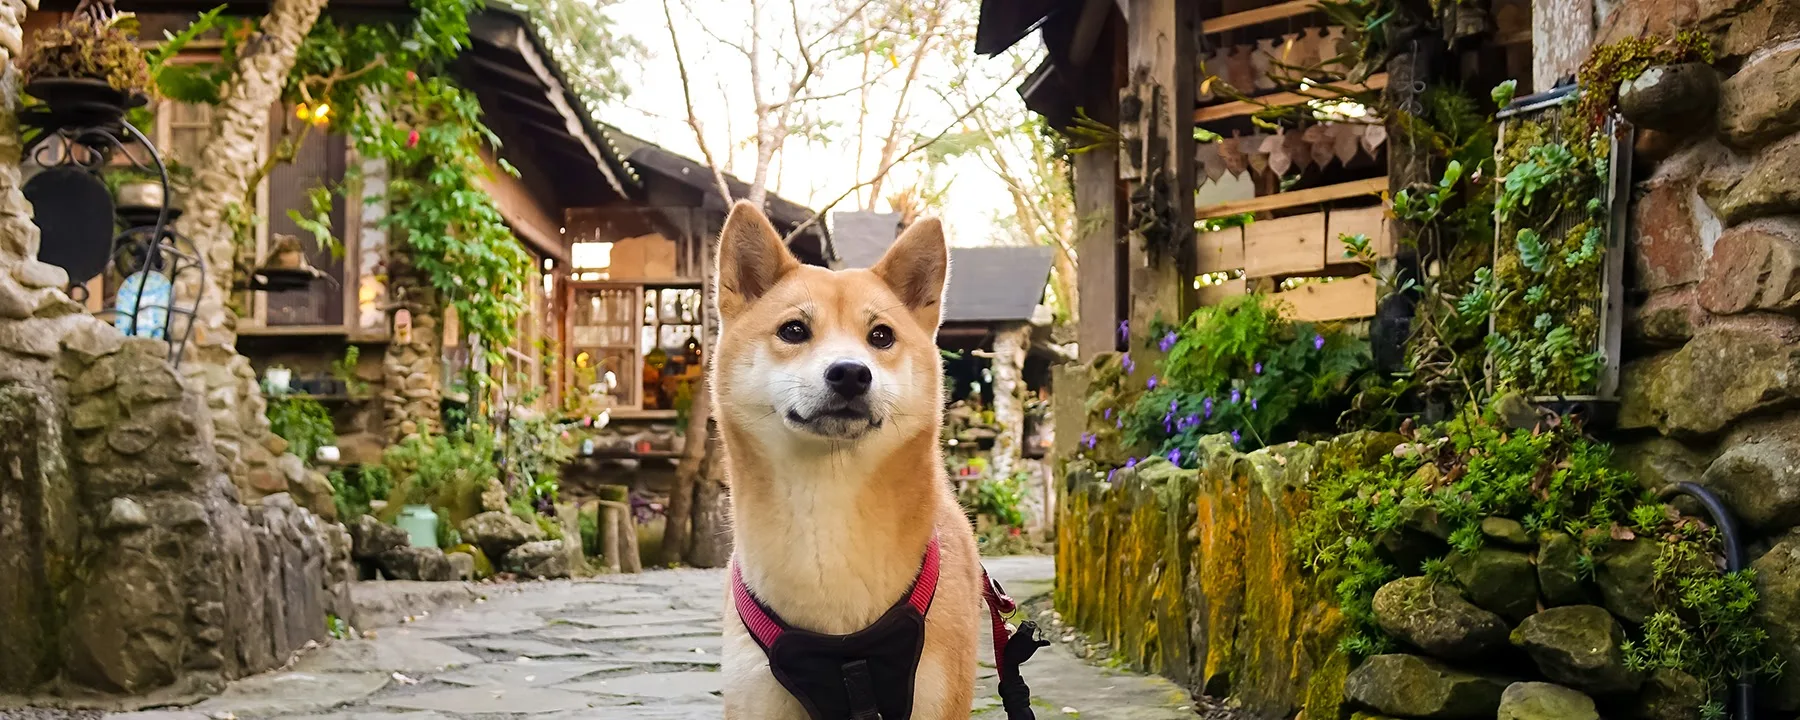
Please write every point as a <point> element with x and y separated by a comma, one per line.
<point>868,674</point>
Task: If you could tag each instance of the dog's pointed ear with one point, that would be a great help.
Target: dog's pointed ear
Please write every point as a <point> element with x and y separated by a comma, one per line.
<point>916,268</point>
<point>751,259</point>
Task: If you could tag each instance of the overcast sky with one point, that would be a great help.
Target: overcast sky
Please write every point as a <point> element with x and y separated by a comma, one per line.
<point>808,172</point>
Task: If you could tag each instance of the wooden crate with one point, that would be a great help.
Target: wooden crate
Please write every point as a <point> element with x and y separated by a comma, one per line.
<point>1344,299</point>
<point>1370,221</point>
<point>1285,246</point>
<point>1219,250</point>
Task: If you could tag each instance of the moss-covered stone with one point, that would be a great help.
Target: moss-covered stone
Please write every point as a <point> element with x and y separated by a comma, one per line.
<point>1434,617</point>
<point>1545,701</point>
<point>1669,695</point>
<point>1778,611</point>
<point>1559,570</point>
<point>1505,531</point>
<point>1579,646</point>
<point>1414,687</point>
<point>1502,581</point>
<point>1626,575</point>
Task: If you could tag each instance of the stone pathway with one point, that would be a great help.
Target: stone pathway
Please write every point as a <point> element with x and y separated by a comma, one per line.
<point>623,647</point>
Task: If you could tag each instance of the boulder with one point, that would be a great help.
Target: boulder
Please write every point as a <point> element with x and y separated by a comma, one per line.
<point>1760,481</point>
<point>1778,611</point>
<point>416,563</point>
<point>1671,98</point>
<point>313,492</point>
<point>1502,581</point>
<point>462,565</point>
<point>1578,646</point>
<point>1433,617</point>
<point>1667,318</point>
<point>370,538</point>
<point>1415,687</point>
<point>1660,462</point>
<point>1626,574</point>
<point>1723,374</point>
<point>497,532</point>
<point>1753,267</point>
<point>1669,695</point>
<point>1756,104</point>
<point>483,567</point>
<point>1505,531</point>
<point>543,560</point>
<point>1545,701</point>
<point>1559,570</point>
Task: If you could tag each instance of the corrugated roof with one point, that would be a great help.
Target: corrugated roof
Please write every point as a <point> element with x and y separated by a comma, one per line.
<point>996,284</point>
<point>1003,283</point>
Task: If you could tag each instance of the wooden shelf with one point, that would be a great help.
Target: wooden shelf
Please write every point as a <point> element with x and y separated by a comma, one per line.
<point>1258,16</point>
<point>1213,113</point>
<point>1297,198</point>
<point>293,331</point>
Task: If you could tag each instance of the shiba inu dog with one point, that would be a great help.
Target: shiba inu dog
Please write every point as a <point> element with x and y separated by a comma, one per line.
<point>828,388</point>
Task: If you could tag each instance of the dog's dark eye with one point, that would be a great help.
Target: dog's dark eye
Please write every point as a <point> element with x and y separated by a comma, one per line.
<point>882,337</point>
<point>794,332</point>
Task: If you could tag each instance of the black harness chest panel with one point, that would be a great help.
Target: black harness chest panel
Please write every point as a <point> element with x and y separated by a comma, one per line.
<point>847,677</point>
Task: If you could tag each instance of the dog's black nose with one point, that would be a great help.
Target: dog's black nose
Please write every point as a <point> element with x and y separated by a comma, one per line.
<point>849,378</point>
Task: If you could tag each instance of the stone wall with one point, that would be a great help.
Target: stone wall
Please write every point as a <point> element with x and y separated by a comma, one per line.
<point>1190,574</point>
<point>411,370</point>
<point>1711,376</point>
<point>132,565</point>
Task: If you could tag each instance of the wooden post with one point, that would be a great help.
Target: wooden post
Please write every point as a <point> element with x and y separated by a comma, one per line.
<point>1156,113</point>
<point>612,522</point>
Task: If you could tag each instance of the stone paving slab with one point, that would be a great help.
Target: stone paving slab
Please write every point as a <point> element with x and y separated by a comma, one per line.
<point>612,648</point>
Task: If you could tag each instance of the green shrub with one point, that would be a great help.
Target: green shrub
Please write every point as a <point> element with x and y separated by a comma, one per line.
<point>303,423</point>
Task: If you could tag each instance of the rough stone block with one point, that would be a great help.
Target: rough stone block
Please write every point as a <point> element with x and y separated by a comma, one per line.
<point>1724,373</point>
<point>1760,481</point>
<point>1671,98</point>
<point>417,563</point>
<point>1778,611</point>
<point>1579,646</point>
<point>1414,687</point>
<point>1434,617</point>
<point>1545,701</point>
<point>1765,190</point>
<point>1756,104</point>
<point>1755,266</point>
<point>543,560</point>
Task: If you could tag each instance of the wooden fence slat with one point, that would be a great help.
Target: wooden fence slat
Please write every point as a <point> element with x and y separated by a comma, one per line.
<point>1240,108</point>
<point>1285,246</point>
<point>1370,221</point>
<point>1215,294</point>
<point>1258,16</point>
<point>1219,250</point>
<point>1345,299</point>
<point>1296,198</point>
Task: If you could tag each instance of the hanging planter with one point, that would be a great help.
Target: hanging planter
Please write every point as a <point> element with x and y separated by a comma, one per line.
<point>84,74</point>
<point>1559,254</point>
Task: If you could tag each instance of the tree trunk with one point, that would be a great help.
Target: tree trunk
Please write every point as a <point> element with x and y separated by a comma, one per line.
<point>712,501</point>
<point>678,516</point>
<point>230,159</point>
<point>1008,365</point>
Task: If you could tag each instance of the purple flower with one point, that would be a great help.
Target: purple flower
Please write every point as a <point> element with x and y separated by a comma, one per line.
<point>1175,456</point>
<point>1190,421</point>
<point>1090,440</point>
<point>1124,330</point>
<point>1252,403</point>
<point>1208,406</point>
<point>1151,383</point>
<point>1235,437</point>
<point>1130,462</point>
<point>1258,368</point>
<point>1318,342</point>
<point>1110,474</point>
<point>1174,405</point>
<point>1107,414</point>
<point>1235,396</point>
<point>1119,424</point>
<point>1168,341</point>
<point>1130,367</point>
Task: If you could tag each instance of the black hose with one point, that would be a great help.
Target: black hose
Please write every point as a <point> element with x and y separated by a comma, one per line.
<point>1734,561</point>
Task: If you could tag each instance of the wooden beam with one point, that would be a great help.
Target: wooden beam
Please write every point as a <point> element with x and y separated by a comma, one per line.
<point>1240,108</point>
<point>1346,299</point>
<point>1161,65</point>
<point>1296,198</point>
<point>558,96</point>
<point>1258,16</point>
<point>1087,30</point>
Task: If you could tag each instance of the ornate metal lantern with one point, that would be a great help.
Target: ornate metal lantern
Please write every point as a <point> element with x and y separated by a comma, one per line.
<point>152,276</point>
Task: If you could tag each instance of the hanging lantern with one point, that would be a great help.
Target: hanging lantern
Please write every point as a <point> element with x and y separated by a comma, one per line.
<point>144,266</point>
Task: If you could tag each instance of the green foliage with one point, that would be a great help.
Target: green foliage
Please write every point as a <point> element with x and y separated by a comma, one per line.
<point>998,498</point>
<point>302,422</point>
<point>80,49</point>
<point>442,470</point>
<point>345,371</point>
<point>200,83</point>
<point>536,449</point>
<point>1240,368</point>
<point>1705,625</point>
<point>353,489</point>
<point>1549,278</point>
<point>1455,475</point>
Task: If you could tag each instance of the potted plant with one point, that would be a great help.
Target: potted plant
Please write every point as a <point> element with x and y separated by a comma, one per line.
<point>276,378</point>
<point>88,71</point>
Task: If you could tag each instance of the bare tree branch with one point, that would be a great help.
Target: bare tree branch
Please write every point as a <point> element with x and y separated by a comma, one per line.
<point>882,171</point>
<point>693,118</point>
